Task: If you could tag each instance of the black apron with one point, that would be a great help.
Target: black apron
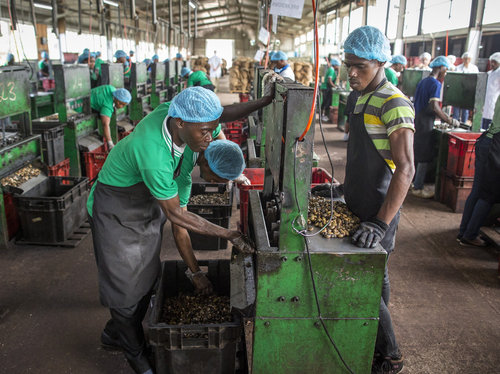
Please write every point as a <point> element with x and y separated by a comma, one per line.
<point>127,225</point>
<point>423,143</point>
<point>367,176</point>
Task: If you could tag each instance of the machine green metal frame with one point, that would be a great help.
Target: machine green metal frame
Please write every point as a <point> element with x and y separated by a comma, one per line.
<point>159,90</point>
<point>411,77</point>
<point>171,78</point>
<point>466,91</point>
<point>138,89</point>
<point>178,68</point>
<point>15,101</point>
<point>73,86</point>
<point>288,335</point>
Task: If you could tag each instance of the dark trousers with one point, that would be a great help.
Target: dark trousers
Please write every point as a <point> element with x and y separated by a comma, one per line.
<point>476,210</point>
<point>386,343</point>
<point>327,101</point>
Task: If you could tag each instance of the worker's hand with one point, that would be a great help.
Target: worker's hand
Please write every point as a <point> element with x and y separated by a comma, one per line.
<point>110,145</point>
<point>243,245</point>
<point>370,233</point>
<point>202,284</point>
<point>242,180</point>
<point>268,82</point>
<point>455,123</point>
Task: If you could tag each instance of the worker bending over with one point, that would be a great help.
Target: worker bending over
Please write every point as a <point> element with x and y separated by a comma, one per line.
<point>44,65</point>
<point>103,100</point>
<point>379,165</point>
<point>427,99</point>
<point>282,66</point>
<point>197,78</point>
<point>145,179</point>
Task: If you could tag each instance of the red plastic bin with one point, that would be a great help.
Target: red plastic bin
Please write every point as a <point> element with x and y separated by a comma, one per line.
<point>256,177</point>
<point>59,170</point>
<point>244,97</point>
<point>237,138</point>
<point>123,134</point>
<point>94,161</point>
<point>461,155</point>
<point>11,215</point>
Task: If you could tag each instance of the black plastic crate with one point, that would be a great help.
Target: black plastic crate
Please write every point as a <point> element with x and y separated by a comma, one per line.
<point>52,210</point>
<point>193,349</point>
<point>52,140</point>
<point>209,210</point>
<point>201,242</point>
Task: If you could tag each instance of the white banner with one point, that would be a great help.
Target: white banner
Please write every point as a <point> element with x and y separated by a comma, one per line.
<point>263,35</point>
<point>287,8</point>
<point>259,55</point>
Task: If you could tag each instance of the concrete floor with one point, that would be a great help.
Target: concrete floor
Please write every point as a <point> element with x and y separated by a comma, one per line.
<point>445,298</point>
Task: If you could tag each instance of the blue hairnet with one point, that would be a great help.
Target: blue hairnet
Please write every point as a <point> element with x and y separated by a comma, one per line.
<point>45,54</point>
<point>127,58</point>
<point>195,104</point>
<point>86,50</point>
<point>123,95</point>
<point>98,54</point>
<point>225,159</point>
<point>279,55</point>
<point>155,57</point>
<point>271,54</point>
<point>369,43</point>
<point>399,59</point>
<point>147,61</point>
<point>334,62</point>
<point>166,60</point>
<point>120,54</point>
<point>93,54</point>
<point>83,57</point>
<point>10,57</point>
<point>185,71</point>
<point>440,61</point>
<point>131,52</point>
<point>178,55</point>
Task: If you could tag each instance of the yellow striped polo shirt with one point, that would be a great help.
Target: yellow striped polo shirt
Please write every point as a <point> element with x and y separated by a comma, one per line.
<point>387,111</point>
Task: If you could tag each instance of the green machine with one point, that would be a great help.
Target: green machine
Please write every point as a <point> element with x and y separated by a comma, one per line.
<point>307,288</point>
<point>171,78</point>
<point>411,77</point>
<point>73,106</point>
<point>42,103</point>
<point>18,146</point>
<point>159,90</point>
<point>466,91</point>
<point>138,89</point>
<point>178,68</point>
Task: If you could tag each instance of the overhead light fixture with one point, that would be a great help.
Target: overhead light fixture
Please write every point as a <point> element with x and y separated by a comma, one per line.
<point>112,3</point>
<point>43,6</point>
<point>192,5</point>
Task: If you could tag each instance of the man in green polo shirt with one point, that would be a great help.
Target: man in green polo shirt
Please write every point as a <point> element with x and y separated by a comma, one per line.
<point>326,88</point>
<point>44,65</point>
<point>197,78</point>
<point>104,100</point>
<point>146,179</point>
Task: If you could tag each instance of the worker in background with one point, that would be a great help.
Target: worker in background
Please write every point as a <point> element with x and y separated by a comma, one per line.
<point>95,72</point>
<point>44,65</point>
<point>393,73</point>
<point>10,60</point>
<point>145,179</point>
<point>196,78</point>
<point>121,57</point>
<point>103,100</point>
<point>215,69</point>
<point>326,89</point>
<point>492,90</point>
<point>282,66</point>
<point>452,59</point>
<point>379,165</point>
<point>427,99</point>
<point>155,59</point>
<point>82,59</point>
<point>98,61</point>
<point>459,114</point>
<point>425,59</point>
<point>178,56</point>
<point>486,186</point>
<point>131,55</point>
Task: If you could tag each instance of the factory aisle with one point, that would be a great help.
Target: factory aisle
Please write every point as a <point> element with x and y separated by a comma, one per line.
<point>445,298</point>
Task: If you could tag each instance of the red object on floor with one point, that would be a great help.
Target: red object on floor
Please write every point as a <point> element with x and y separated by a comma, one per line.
<point>320,176</point>
<point>48,84</point>
<point>461,155</point>
<point>13,222</point>
<point>94,161</point>
<point>123,134</point>
<point>59,170</point>
<point>455,191</point>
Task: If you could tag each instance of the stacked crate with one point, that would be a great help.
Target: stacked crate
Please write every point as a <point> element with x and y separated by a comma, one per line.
<point>236,131</point>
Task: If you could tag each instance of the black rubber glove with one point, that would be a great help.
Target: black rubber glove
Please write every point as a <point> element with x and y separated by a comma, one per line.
<point>243,244</point>
<point>323,190</point>
<point>370,233</point>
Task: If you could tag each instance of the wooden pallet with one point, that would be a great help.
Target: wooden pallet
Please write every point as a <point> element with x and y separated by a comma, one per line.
<point>73,240</point>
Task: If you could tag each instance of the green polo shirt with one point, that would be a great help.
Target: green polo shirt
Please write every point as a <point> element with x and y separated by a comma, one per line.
<point>146,155</point>
<point>495,123</point>
<point>391,76</point>
<point>330,73</point>
<point>98,63</point>
<point>101,99</point>
<point>43,66</point>
<point>198,76</point>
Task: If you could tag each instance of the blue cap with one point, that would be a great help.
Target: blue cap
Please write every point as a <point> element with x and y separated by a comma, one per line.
<point>279,55</point>
<point>155,57</point>
<point>45,54</point>
<point>399,59</point>
<point>225,159</point>
<point>98,54</point>
<point>178,55</point>
<point>120,53</point>
<point>185,71</point>
<point>369,43</point>
<point>10,57</point>
<point>195,104</point>
<point>334,62</point>
<point>131,52</point>
<point>123,95</point>
<point>440,61</point>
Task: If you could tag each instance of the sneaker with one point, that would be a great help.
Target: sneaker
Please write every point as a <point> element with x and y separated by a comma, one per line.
<point>476,242</point>
<point>109,342</point>
<point>325,119</point>
<point>459,238</point>
<point>391,365</point>
<point>346,137</point>
<point>422,193</point>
